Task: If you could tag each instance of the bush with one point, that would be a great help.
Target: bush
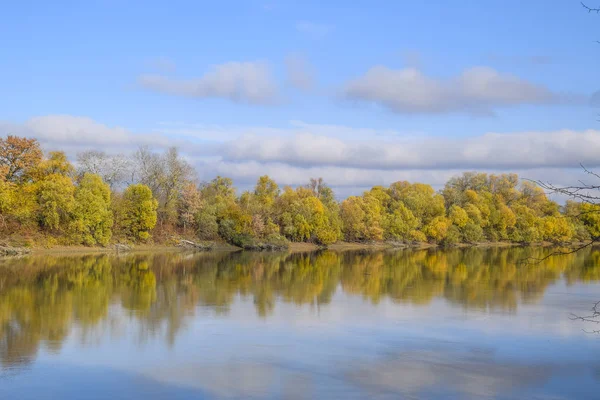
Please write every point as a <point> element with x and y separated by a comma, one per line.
<point>453,236</point>
<point>208,228</point>
<point>472,233</point>
<point>139,211</point>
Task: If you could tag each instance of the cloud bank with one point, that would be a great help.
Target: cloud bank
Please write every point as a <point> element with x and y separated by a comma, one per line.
<point>558,149</point>
<point>477,91</point>
<point>343,156</point>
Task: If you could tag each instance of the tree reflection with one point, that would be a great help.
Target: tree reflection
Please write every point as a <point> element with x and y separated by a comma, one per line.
<point>43,298</point>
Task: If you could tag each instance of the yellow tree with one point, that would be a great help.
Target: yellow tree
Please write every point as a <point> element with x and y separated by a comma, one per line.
<point>139,211</point>
<point>361,218</point>
<point>55,197</point>
<point>92,216</point>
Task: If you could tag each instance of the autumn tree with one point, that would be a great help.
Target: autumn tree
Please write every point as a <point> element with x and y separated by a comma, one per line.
<point>56,163</point>
<point>55,197</point>
<point>92,216</point>
<point>361,218</point>
<point>190,204</point>
<point>138,211</point>
<point>218,196</point>
<point>18,156</point>
<point>260,205</point>
<point>55,190</point>
<point>303,217</point>
<point>50,195</point>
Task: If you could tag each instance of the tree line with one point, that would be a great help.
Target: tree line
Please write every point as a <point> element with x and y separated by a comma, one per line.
<point>150,196</point>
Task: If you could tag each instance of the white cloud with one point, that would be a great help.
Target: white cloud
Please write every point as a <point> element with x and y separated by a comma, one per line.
<point>522,150</point>
<point>341,155</point>
<point>349,180</point>
<point>477,90</point>
<point>347,177</point>
<point>463,374</point>
<point>74,133</point>
<point>299,73</point>
<point>313,29</point>
<point>241,82</point>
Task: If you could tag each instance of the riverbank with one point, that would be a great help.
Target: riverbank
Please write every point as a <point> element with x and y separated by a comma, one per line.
<point>294,247</point>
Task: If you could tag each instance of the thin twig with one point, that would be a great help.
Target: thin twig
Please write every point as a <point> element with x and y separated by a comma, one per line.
<point>589,9</point>
<point>534,260</point>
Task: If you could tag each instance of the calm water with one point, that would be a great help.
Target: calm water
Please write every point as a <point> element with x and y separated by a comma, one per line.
<point>411,324</point>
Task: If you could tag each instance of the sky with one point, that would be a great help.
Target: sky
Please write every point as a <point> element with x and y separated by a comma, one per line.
<point>360,93</point>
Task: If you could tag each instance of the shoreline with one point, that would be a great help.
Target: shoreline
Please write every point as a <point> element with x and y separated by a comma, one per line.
<point>294,247</point>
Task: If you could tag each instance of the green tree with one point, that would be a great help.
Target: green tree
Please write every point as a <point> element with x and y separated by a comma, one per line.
<point>361,218</point>
<point>56,164</point>
<point>266,192</point>
<point>92,217</point>
<point>401,223</point>
<point>420,199</point>
<point>458,216</point>
<point>303,217</point>
<point>437,229</point>
<point>139,211</point>
<point>55,198</point>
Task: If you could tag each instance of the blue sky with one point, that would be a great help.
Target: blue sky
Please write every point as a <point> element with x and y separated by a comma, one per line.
<point>204,74</point>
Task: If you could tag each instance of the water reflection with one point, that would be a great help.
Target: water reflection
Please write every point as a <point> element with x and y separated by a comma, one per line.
<point>42,299</point>
<point>41,296</point>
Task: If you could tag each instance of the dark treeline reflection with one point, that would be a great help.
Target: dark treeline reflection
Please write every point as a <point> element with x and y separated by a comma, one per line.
<point>43,298</point>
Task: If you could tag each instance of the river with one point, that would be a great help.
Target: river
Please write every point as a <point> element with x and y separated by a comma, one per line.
<point>434,324</point>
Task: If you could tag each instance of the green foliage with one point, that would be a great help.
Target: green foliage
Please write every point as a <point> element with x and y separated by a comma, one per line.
<point>453,236</point>
<point>92,217</point>
<point>472,233</point>
<point>138,212</point>
<point>420,199</point>
<point>266,191</point>
<point>458,216</point>
<point>55,197</point>
<point>589,215</point>
<point>7,197</point>
<point>56,164</point>
<point>361,218</point>
<point>208,228</point>
<point>235,224</point>
<point>400,223</point>
<point>557,229</point>
<point>437,229</point>
<point>303,217</point>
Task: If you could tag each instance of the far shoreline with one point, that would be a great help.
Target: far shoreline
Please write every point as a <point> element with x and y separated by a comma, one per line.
<point>294,247</point>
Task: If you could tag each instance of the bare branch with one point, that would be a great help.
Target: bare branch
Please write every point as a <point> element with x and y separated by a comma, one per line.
<point>594,317</point>
<point>535,260</point>
<point>589,9</point>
